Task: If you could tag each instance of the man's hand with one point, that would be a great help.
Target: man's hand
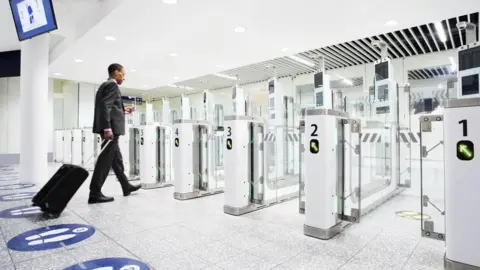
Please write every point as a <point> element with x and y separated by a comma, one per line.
<point>108,134</point>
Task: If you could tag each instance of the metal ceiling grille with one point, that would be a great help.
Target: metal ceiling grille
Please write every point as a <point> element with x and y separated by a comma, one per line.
<point>431,73</point>
<point>407,42</point>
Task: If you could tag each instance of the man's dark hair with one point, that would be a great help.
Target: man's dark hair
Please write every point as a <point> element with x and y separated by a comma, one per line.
<point>114,67</point>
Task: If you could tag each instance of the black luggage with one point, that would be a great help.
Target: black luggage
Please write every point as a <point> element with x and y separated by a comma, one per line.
<point>59,190</point>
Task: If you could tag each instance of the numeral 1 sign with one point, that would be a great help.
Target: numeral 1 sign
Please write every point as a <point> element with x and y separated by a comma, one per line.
<point>464,123</point>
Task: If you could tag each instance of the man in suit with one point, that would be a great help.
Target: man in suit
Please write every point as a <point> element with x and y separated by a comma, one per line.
<point>109,122</point>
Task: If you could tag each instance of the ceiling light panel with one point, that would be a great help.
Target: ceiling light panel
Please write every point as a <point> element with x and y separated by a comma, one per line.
<point>170,2</point>
<point>110,38</point>
<point>240,29</point>
<point>440,32</point>
<point>301,60</point>
<point>225,76</point>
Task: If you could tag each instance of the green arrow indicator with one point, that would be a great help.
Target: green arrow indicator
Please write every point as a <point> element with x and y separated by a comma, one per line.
<point>314,146</point>
<point>465,150</point>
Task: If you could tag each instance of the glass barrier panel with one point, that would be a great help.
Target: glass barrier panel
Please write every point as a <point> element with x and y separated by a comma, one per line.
<point>351,185</point>
<point>431,174</point>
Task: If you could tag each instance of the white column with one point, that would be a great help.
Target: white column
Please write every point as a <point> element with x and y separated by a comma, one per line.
<point>33,114</point>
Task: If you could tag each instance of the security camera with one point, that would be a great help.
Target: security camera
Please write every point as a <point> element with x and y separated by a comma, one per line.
<point>462,25</point>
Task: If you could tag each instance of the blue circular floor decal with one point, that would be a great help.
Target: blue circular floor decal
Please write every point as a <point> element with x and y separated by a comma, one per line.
<point>17,196</point>
<point>20,212</point>
<point>16,186</point>
<point>110,264</point>
<point>51,237</point>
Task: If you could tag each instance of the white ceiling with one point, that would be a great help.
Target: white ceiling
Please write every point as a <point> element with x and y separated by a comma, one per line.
<point>201,33</point>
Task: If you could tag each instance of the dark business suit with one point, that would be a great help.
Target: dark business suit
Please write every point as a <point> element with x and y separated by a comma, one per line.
<point>109,114</point>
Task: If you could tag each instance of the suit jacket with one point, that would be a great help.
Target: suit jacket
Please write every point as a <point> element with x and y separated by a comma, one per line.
<point>109,109</point>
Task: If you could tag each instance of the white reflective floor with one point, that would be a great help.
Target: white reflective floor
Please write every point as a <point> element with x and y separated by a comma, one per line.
<point>164,233</point>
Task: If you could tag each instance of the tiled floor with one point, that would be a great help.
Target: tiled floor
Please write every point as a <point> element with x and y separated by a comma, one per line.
<point>164,233</point>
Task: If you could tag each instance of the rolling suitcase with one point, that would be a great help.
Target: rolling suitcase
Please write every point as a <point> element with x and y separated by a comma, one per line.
<point>54,196</point>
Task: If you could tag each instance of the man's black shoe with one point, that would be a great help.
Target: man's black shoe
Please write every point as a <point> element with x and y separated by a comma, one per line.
<point>130,189</point>
<point>100,199</point>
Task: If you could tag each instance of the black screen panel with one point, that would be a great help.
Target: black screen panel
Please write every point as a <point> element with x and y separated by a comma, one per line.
<point>469,58</point>
<point>319,99</point>
<point>470,85</point>
<point>271,87</point>
<point>381,71</point>
<point>10,64</point>
<point>318,80</point>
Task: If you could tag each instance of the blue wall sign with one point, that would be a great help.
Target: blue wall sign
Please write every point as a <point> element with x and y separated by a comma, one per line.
<point>111,264</point>
<point>17,196</point>
<point>20,212</point>
<point>51,237</point>
<point>16,186</point>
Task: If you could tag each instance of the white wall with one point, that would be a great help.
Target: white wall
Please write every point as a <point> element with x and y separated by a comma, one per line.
<point>86,104</point>
<point>70,105</point>
<point>10,113</point>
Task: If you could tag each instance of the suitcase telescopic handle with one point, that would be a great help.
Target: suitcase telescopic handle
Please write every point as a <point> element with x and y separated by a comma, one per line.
<point>101,151</point>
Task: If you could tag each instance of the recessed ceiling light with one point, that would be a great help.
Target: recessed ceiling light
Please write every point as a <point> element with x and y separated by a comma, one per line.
<point>440,86</point>
<point>169,2</point>
<point>176,78</point>
<point>225,76</point>
<point>454,65</point>
<point>133,70</point>
<point>78,60</point>
<point>57,74</point>
<point>172,85</point>
<point>284,49</point>
<point>110,38</point>
<point>440,31</point>
<point>173,54</point>
<point>391,23</point>
<point>240,29</point>
<point>301,60</point>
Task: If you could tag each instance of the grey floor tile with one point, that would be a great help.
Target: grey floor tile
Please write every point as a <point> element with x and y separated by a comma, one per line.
<point>19,256</point>
<point>412,266</point>
<point>244,241</point>
<point>5,258</point>
<point>274,253</point>
<point>149,245</point>
<point>99,250</point>
<point>245,261</point>
<point>11,231</point>
<point>122,229</point>
<point>183,237</point>
<point>310,260</point>
<point>55,261</point>
<point>215,251</point>
<point>182,261</point>
<point>428,256</point>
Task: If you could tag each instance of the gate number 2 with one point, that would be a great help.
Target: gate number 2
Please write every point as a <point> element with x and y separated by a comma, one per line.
<point>465,128</point>
<point>314,133</point>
